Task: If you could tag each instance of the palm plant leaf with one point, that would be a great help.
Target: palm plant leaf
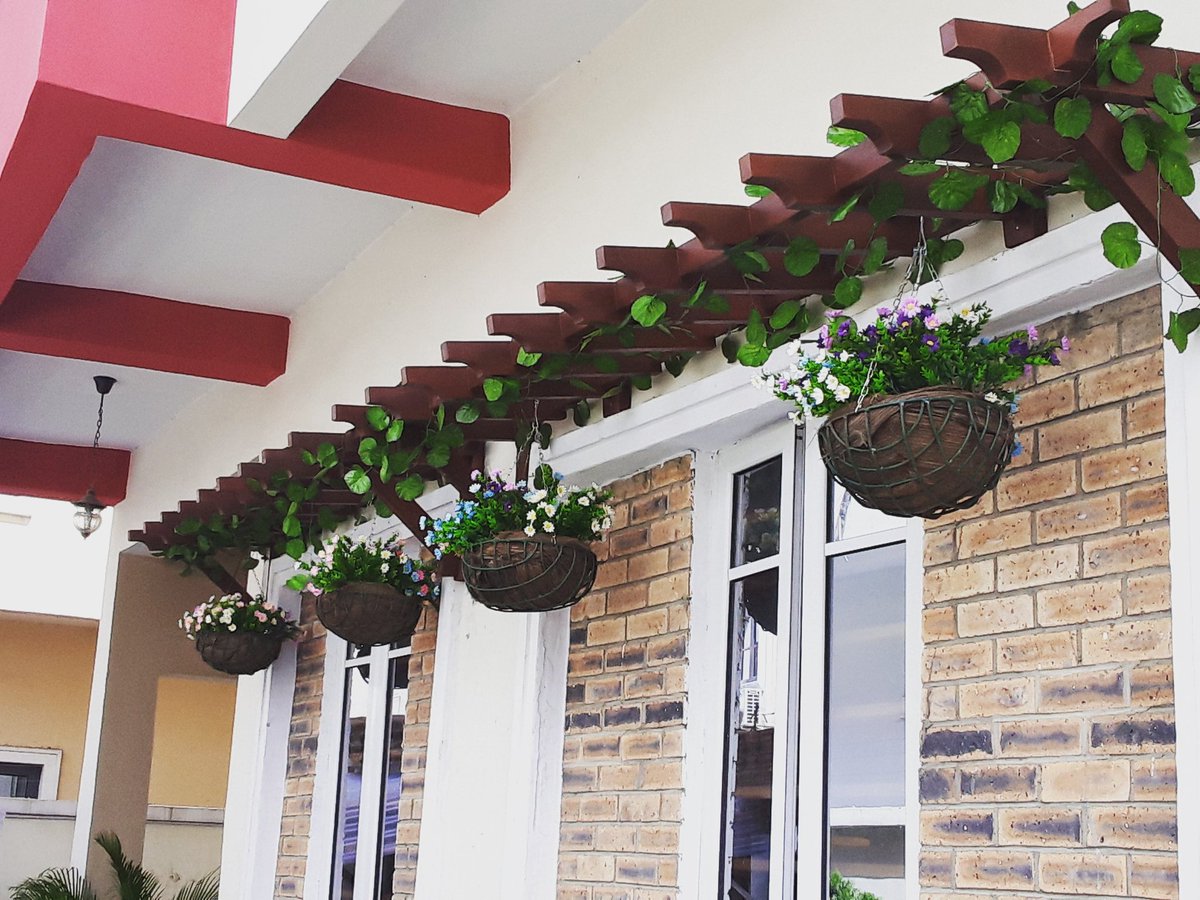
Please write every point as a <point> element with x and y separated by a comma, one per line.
<point>205,888</point>
<point>55,884</point>
<point>133,882</point>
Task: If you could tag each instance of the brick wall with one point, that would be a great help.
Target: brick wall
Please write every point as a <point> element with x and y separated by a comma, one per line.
<point>412,763</point>
<point>302,754</point>
<point>1047,756</point>
<point>623,753</point>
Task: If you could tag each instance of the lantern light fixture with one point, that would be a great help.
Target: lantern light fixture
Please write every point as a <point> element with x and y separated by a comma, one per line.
<point>87,514</point>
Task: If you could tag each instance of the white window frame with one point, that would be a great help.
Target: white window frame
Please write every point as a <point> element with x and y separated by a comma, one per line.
<point>48,758</point>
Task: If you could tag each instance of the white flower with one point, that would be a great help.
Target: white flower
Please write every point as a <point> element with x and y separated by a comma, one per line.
<point>842,394</point>
<point>384,568</point>
<point>596,527</point>
<point>818,396</point>
<point>531,515</point>
<point>992,397</point>
<point>232,627</point>
<point>584,501</point>
<point>530,530</point>
<point>548,526</point>
<point>822,376</point>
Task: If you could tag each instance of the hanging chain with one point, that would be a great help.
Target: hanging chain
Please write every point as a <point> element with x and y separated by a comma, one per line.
<point>99,424</point>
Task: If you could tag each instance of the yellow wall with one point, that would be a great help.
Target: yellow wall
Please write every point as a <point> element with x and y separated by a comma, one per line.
<point>45,683</point>
<point>193,727</point>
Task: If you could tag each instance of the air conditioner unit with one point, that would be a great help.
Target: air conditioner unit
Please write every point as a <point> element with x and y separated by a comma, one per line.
<point>749,699</point>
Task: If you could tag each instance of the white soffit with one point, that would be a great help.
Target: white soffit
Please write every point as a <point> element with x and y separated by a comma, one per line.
<point>492,56</point>
<point>167,224</point>
<point>54,400</point>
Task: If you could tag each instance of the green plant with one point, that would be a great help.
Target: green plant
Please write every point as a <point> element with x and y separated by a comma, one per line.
<point>350,559</point>
<point>908,347</point>
<point>132,881</point>
<point>233,613</point>
<point>841,889</point>
<point>546,508</point>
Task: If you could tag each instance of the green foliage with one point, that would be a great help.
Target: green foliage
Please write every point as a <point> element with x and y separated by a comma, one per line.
<point>1072,116</point>
<point>844,137</point>
<point>758,191</point>
<point>841,889</point>
<point>348,560</point>
<point>1181,325</point>
<point>648,310</point>
<point>955,189</point>
<point>1121,245</point>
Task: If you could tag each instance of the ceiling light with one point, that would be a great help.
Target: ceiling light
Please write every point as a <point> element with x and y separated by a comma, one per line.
<point>87,514</point>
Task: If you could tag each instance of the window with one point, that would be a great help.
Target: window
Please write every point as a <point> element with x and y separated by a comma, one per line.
<point>819,736</point>
<point>375,697</point>
<point>20,780</point>
<point>29,774</point>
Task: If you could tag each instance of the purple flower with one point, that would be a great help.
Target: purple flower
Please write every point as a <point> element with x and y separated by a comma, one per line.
<point>843,328</point>
<point>932,341</point>
<point>871,333</point>
<point>823,337</point>
<point>885,312</point>
<point>1053,357</point>
<point>1066,343</point>
<point>1032,332</point>
<point>1028,370</point>
<point>1018,348</point>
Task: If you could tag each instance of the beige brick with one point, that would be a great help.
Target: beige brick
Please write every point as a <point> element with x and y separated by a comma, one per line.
<point>652,622</point>
<point>1148,593</point>
<point>1097,347</point>
<point>605,631</point>
<point>1103,689</point>
<point>1052,400</point>
<point>668,588</point>
<point>675,527</point>
<point>1088,515</point>
<point>1088,601</point>
<point>936,869</point>
<point>1146,503</point>
<point>1041,827</point>
<point>1152,684</point>
<point>1036,485</point>
<point>1041,737</point>
<point>994,534</point>
<point>956,582</point>
<point>998,783</point>
<point>625,597</point>
<point>666,774</point>
<point>1040,650</point>
<point>1007,869</point>
<point>939,546</point>
<point>938,624</point>
<point>1122,379</point>
<point>941,703</point>
<point>1123,465</point>
<point>1143,548</point>
<point>1148,732</point>
<point>950,661</point>
<point>1004,697</point>
<point>1086,781</point>
<point>1043,565</point>
<point>1133,640</point>
<point>1156,877</point>
<point>1080,434</point>
<point>995,616</point>
<point>649,564</point>
<point>1082,873</point>
<point>1133,827</point>
<point>1153,779</point>
<point>1145,416</point>
<point>957,828</point>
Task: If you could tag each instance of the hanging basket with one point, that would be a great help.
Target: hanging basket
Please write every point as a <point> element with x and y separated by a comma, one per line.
<point>515,573</point>
<point>238,652</point>
<point>922,453</point>
<point>369,614</point>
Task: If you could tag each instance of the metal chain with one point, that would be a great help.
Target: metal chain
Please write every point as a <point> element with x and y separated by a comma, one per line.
<point>99,424</point>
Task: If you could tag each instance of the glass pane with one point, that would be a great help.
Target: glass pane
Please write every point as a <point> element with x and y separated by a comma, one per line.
<point>866,728</point>
<point>849,519</point>
<point>20,780</point>
<point>756,494</point>
<point>869,854</point>
<point>350,784</point>
<point>397,708</point>
<point>755,700</point>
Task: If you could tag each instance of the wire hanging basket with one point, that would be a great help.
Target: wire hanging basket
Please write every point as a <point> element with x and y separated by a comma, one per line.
<point>516,573</point>
<point>923,453</point>
<point>369,614</point>
<point>238,652</point>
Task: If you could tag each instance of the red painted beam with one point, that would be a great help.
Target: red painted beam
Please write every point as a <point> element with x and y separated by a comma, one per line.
<point>144,332</point>
<point>62,471</point>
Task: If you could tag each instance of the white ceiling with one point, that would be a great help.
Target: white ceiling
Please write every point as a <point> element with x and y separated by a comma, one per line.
<point>493,55</point>
<point>167,224</point>
<point>54,400</point>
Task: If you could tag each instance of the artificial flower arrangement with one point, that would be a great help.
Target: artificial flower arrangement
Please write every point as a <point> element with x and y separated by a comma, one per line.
<point>368,591</point>
<point>238,635</point>
<point>918,403</point>
<point>524,547</point>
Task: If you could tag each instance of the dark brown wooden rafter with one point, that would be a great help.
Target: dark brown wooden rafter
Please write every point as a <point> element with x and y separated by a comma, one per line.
<point>805,189</point>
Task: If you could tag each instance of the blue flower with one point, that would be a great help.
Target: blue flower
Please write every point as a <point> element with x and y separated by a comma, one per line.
<point>1018,449</point>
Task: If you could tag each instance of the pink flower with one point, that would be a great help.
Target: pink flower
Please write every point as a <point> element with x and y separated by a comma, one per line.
<point>1066,343</point>
<point>314,590</point>
<point>1033,334</point>
<point>424,590</point>
<point>419,575</point>
<point>260,615</point>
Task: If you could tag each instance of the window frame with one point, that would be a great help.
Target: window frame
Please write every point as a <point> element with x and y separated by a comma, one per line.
<point>50,761</point>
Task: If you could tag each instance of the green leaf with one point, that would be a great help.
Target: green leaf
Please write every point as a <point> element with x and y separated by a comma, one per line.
<point>888,200</point>
<point>308,457</point>
<point>295,548</point>
<point>1189,265</point>
<point>875,256</point>
<point>801,256</point>
<point>952,249</point>
<point>936,137</point>
<point>188,526</point>
<point>1002,142</point>
<point>1133,143</point>
<point>1072,8</point>
<point>840,264</point>
<point>955,189</point>
<point>641,382</point>
<point>297,582</point>
<point>1138,27</point>
<point>411,487</point>
<point>493,388</point>
<point>753,355</point>
<point>967,104</point>
<point>677,363</point>
<point>715,303</point>
<point>785,313</point>
<point>527,359</point>
<point>844,137</point>
<point>1177,172</point>
<point>1002,196</point>
<point>1194,77</point>
<point>1180,325</point>
<point>394,431</point>
<point>647,310</point>
<point>758,191</point>
<point>581,412</point>
<point>729,348</point>
<point>1177,122</point>
<point>1072,116</point>
<point>1121,245</point>
<point>756,331</point>
<point>368,451</point>
<point>357,480</point>
<point>440,415</point>
<point>1126,66</point>
<point>327,455</point>
<point>605,364</point>
<point>1171,93</point>
<point>467,413</point>
<point>438,456</point>
<point>378,418</point>
<point>848,292</point>
<point>845,209</point>
<point>919,168</point>
<point>291,526</point>
<point>697,295</point>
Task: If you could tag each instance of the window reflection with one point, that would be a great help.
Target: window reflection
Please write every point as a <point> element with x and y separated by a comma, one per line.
<point>350,783</point>
<point>393,753</point>
<point>850,519</point>
<point>756,512</point>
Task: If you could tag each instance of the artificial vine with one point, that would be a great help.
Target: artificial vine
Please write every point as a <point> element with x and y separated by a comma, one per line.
<point>289,519</point>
